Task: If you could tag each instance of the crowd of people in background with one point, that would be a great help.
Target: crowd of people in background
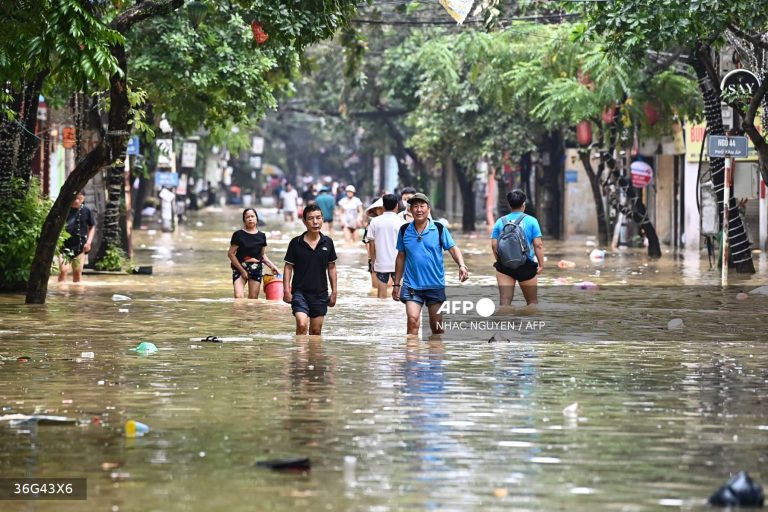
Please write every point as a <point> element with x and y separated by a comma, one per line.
<point>405,248</point>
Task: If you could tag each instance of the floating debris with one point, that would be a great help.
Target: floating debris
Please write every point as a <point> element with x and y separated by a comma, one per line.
<point>144,348</point>
<point>297,464</point>
<point>675,324</point>
<point>36,419</point>
<point>739,491</point>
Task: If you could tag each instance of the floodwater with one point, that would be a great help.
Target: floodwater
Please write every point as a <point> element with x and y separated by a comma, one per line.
<point>663,416</point>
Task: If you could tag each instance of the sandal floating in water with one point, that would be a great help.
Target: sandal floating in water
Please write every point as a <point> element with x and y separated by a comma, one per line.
<point>216,339</point>
<point>297,464</point>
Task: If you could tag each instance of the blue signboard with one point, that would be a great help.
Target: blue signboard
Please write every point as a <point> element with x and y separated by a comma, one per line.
<point>133,146</point>
<point>722,146</point>
<point>166,179</point>
<point>571,176</point>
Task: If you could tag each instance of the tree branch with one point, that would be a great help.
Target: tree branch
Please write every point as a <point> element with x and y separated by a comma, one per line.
<point>378,114</point>
<point>704,53</point>
<point>664,64</point>
<point>141,11</point>
<point>749,127</point>
<point>756,42</point>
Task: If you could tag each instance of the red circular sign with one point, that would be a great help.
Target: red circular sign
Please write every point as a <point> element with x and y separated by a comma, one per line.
<point>642,174</point>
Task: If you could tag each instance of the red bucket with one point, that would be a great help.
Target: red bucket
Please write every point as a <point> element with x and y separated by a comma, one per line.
<point>274,289</point>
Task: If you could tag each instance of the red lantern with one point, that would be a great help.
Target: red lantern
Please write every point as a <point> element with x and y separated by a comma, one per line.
<point>651,113</point>
<point>258,33</point>
<point>609,114</point>
<point>584,133</point>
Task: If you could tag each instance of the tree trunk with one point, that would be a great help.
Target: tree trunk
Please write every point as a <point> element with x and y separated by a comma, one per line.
<point>10,133</point>
<point>9,137</point>
<point>639,214</point>
<point>633,208</point>
<point>737,235</point>
<point>111,146</point>
<point>112,231</point>
<point>467,186</point>
<point>29,142</point>
<point>597,197</point>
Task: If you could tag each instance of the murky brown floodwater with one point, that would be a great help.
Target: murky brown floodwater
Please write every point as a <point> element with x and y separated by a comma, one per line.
<point>663,415</point>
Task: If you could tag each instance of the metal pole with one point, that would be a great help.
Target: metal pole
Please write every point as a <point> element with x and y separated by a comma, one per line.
<point>763,216</point>
<point>726,205</point>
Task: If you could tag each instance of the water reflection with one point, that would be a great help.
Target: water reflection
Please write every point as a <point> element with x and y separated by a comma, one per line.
<point>311,395</point>
<point>663,415</point>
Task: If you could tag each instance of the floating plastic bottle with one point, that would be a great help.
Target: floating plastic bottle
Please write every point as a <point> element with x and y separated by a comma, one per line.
<point>135,428</point>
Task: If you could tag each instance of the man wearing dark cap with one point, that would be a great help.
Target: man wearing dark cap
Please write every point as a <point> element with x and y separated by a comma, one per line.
<point>419,270</point>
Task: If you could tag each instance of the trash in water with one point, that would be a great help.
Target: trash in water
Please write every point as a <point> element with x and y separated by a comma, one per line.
<point>566,264</point>
<point>216,339</point>
<point>571,410</point>
<point>23,359</point>
<point>117,297</point>
<point>135,428</point>
<point>500,492</point>
<point>36,419</point>
<point>597,255</point>
<point>498,337</point>
<point>123,310</point>
<point>742,296</point>
<point>760,290</point>
<point>87,355</point>
<point>675,323</point>
<point>586,285</point>
<point>109,466</point>
<point>297,464</point>
<point>739,491</point>
<point>119,476</point>
<point>145,347</point>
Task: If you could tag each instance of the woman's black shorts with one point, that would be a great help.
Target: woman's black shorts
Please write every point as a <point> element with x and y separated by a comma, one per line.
<point>523,273</point>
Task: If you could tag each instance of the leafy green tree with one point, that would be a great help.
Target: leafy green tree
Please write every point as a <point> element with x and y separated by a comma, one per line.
<point>692,32</point>
<point>565,83</point>
<point>290,27</point>
<point>44,45</point>
<point>454,120</point>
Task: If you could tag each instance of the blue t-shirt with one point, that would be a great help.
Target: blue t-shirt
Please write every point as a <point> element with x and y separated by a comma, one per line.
<point>529,224</point>
<point>424,269</point>
<point>327,205</point>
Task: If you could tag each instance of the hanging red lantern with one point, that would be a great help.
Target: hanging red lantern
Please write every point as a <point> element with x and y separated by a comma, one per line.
<point>609,114</point>
<point>651,113</point>
<point>258,33</point>
<point>584,133</point>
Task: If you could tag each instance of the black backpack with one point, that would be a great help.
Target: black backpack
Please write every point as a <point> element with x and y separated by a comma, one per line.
<point>513,247</point>
<point>440,228</point>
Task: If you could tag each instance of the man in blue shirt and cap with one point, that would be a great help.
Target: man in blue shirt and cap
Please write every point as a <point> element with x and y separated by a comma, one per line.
<point>419,271</point>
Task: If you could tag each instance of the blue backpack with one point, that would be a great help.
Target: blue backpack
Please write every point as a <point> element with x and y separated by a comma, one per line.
<point>513,248</point>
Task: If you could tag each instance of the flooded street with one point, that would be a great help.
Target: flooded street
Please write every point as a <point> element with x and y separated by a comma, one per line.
<point>664,416</point>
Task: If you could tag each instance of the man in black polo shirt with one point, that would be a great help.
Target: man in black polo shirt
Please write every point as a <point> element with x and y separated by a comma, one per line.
<point>310,262</point>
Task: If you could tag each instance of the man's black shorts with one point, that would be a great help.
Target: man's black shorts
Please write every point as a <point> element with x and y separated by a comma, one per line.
<point>311,304</point>
<point>525,272</point>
